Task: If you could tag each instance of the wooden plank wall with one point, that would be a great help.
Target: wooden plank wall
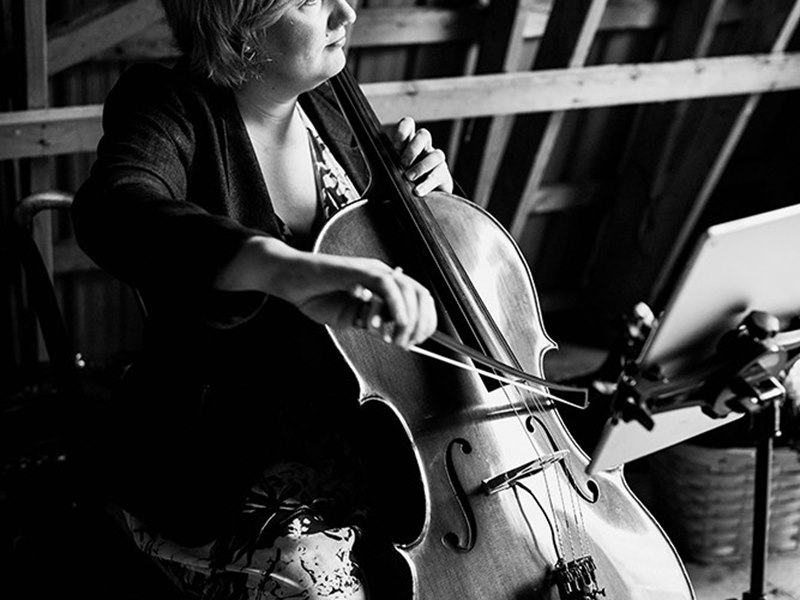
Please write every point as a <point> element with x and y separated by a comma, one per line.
<point>599,132</point>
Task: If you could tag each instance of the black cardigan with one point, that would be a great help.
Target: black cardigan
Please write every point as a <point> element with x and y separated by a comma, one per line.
<point>175,190</point>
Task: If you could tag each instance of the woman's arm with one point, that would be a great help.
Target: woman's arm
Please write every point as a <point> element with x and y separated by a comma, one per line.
<point>321,286</point>
<point>136,215</point>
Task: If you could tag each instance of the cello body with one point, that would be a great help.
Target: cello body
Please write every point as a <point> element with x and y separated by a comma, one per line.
<point>445,439</point>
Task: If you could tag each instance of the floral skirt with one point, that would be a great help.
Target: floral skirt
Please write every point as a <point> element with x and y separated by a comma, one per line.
<point>283,545</point>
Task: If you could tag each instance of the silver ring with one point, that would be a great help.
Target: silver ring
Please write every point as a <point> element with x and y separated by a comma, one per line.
<point>361,293</point>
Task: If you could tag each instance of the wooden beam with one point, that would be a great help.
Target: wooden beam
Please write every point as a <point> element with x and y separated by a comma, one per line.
<point>387,26</point>
<point>691,35</point>
<point>587,87</point>
<point>379,27</point>
<point>375,28</point>
<point>50,132</point>
<point>37,96</point>
<point>36,54</point>
<point>387,61</point>
<point>558,197</point>
<point>137,30</point>
<point>620,15</point>
<point>645,165</point>
<point>99,30</point>
<point>577,21</point>
<point>570,23</point>
<point>76,129</point>
<point>734,133</point>
<point>483,140</point>
<point>453,144</point>
<point>652,244</point>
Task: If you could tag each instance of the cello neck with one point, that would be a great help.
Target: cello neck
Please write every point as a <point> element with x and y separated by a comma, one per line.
<point>450,280</point>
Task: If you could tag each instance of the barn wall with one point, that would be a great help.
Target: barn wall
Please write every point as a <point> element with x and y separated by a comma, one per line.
<point>616,184</point>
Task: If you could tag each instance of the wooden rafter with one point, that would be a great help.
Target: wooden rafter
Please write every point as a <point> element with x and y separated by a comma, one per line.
<point>579,21</point>
<point>571,26</point>
<point>419,25</point>
<point>92,33</point>
<point>36,54</point>
<point>398,26</point>
<point>482,142</point>
<point>645,167</point>
<point>386,61</point>
<point>690,37</point>
<point>651,242</point>
<point>76,129</point>
<point>137,28</point>
<point>37,97</point>
<point>735,131</point>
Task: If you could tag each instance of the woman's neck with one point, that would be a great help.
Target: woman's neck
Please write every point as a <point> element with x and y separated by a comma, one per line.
<point>266,111</point>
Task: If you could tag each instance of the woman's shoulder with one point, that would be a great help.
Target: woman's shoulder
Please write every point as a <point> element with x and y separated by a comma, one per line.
<point>152,86</point>
<point>151,80</point>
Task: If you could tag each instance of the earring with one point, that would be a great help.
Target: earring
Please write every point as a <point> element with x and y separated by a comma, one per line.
<point>249,53</point>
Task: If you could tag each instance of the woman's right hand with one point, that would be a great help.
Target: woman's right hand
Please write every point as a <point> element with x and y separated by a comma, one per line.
<point>331,296</point>
<point>323,287</point>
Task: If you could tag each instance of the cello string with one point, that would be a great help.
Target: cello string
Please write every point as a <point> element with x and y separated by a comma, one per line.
<point>559,488</point>
<point>541,508</point>
<point>539,408</point>
<point>577,509</point>
<point>576,513</point>
<point>492,329</point>
<point>571,533</point>
<point>557,534</point>
<point>545,476</point>
<point>369,319</point>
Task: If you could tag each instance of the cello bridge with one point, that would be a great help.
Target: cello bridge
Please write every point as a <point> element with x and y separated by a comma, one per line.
<point>507,479</point>
<point>576,579</point>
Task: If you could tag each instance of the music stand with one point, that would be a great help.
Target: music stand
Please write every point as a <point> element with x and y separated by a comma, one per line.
<point>736,267</point>
<point>715,355</point>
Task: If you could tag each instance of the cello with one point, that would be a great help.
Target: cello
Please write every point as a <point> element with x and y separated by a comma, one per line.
<point>481,491</point>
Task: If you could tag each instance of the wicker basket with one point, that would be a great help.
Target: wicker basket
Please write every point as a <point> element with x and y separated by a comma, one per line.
<point>703,497</point>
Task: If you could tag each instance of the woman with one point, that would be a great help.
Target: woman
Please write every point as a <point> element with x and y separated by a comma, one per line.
<point>232,443</point>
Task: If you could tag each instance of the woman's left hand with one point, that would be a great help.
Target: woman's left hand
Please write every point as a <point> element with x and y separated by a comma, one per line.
<point>425,166</point>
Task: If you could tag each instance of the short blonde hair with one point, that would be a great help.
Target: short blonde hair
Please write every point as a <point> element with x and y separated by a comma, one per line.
<point>220,38</point>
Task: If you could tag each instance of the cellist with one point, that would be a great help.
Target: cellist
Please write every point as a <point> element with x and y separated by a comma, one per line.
<point>229,443</point>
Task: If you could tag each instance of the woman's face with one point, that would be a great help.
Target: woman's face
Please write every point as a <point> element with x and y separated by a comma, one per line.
<point>306,45</point>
